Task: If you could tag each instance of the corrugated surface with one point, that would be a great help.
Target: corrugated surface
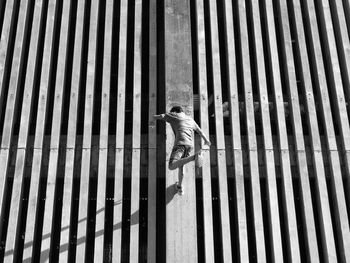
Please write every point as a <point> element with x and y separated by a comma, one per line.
<point>83,164</point>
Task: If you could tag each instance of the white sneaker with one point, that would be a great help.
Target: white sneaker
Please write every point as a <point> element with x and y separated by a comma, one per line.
<point>179,189</point>
<point>199,159</point>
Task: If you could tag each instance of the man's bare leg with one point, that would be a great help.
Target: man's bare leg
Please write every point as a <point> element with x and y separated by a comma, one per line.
<point>178,185</point>
<point>177,164</point>
<point>181,175</point>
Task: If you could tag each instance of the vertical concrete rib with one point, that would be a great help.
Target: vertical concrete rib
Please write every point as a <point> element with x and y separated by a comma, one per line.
<point>311,239</point>
<point>274,221</point>
<point>16,72</point>
<point>251,134</point>
<point>27,107</point>
<point>47,232</point>
<point>152,135</point>
<point>39,131</point>
<point>287,184</point>
<point>11,105</point>
<point>220,136</point>
<point>136,138</point>
<point>10,116</point>
<point>120,122</point>
<point>318,72</point>
<point>337,91</point>
<point>181,229</point>
<point>104,128</point>
<point>236,134</point>
<point>4,46</point>
<point>88,120</point>
<point>204,123</point>
<point>67,198</point>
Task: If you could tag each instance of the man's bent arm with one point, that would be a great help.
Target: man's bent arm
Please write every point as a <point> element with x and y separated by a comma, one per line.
<point>206,140</point>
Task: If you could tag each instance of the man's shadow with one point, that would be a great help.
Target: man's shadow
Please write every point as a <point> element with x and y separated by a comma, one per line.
<point>134,219</point>
<point>170,193</point>
<point>45,255</point>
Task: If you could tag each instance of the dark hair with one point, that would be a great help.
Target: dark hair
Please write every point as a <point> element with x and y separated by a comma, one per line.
<point>177,109</point>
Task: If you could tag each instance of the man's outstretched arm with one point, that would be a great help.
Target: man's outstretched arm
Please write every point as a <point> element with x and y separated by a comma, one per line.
<point>158,117</point>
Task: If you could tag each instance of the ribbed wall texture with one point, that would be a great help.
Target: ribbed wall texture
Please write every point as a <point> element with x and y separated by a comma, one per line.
<point>83,164</point>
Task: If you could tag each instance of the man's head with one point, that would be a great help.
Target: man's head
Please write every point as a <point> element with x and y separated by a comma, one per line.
<point>177,109</point>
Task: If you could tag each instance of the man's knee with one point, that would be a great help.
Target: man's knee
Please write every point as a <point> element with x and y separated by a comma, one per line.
<point>171,166</point>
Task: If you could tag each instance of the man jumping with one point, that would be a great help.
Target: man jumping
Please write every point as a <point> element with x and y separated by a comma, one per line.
<point>183,127</point>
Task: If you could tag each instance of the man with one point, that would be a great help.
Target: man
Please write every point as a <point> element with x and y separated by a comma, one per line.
<point>183,127</point>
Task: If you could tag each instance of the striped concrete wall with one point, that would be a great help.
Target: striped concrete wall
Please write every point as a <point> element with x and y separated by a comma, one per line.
<point>83,165</point>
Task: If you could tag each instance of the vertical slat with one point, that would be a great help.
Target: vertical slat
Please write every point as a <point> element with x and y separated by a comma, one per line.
<point>39,131</point>
<point>4,160</point>
<point>118,205</point>
<point>12,98</point>
<point>328,243</point>
<point>342,38</point>
<point>15,205</point>
<point>152,135</point>
<point>315,145</point>
<point>298,136</point>
<point>337,89</point>
<point>252,144</point>
<point>181,230</point>
<point>104,127</point>
<point>336,86</point>
<point>119,155</point>
<point>88,119</point>
<point>71,135</point>
<point>181,223</point>
<point>332,58</point>
<point>274,221</point>
<point>103,145</point>
<point>204,123</point>
<point>346,6</point>
<point>287,184</point>
<point>14,85</point>
<point>10,115</point>
<point>236,134</point>
<point>342,35</point>
<point>136,138</point>
<point>220,136</point>
<point>311,240</point>
<point>47,231</point>
<point>4,45</point>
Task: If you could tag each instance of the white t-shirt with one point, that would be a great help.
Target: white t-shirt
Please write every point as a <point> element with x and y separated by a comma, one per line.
<point>183,127</point>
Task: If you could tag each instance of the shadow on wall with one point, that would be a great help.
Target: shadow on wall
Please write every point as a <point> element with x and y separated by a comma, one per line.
<point>45,255</point>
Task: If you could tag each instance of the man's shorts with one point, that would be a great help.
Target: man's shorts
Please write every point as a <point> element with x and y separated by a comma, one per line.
<point>179,152</point>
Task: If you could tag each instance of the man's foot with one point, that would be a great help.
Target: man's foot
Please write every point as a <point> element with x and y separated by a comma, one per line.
<point>179,189</point>
<point>199,159</point>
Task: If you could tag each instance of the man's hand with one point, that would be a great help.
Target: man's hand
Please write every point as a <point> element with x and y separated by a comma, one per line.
<point>158,117</point>
<point>207,142</point>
